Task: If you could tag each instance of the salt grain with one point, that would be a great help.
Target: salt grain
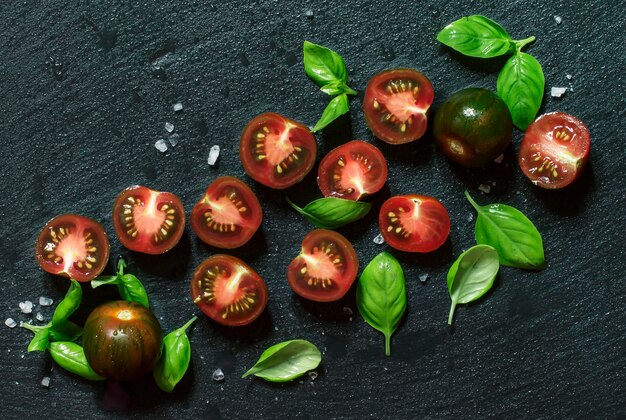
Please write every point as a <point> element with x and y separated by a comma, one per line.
<point>484,188</point>
<point>39,316</point>
<point>569,76</point>
<point>423,277</point>
<point>45,381</point>
<point>557,92</point>
<point>26,307</point>
<point>218,375</point>
<point>178,107</point>
<point>558,19</point>
<point>313,375</point>
<point>173,139</point>
<point>214,153</point>
<point>309,13</point>
<point>10,322</point>
<point>161,145</point>
<point>499,159</point>
<point>379,240</point>
<point>45,301</point>
<point>169,127</point>
<point>470,217</point>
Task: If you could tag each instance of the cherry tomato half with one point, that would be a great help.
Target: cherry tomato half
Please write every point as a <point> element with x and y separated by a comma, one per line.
<point>228,214</point>
<point>277,151</point>
<point>73,246</point>
<point>122,340</point>
<point>325,268</point>
<point>228,291</point>
<point>555,150</point>
<point>352,171</point>
<point>414,223</point>
<point>148,221</point>
<point>396,103</point>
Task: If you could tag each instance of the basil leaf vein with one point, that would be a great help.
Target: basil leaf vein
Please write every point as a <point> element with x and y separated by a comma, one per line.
<point>476,36</point>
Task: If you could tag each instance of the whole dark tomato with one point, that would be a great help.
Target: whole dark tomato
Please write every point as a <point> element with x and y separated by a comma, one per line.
<point>555,150</point>
<point>122,340</point>
<point>414,223</point>
<point>73,246</point>
<point>228,214</point>
<point>148,221</point>
<point>352,171</point>
<point>325,268</point>
<point>396,103</point>
<point>277,151</point>
<point>473,127</point>
<point>228,291</point>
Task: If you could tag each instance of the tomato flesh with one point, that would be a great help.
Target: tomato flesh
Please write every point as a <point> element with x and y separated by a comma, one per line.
<point>277,151</point>
<point>228,291</point>
<point>148,221</point>
<point>228,214</point>
<point>396,103</point>
<point>325,268</point>
<point>414,223</point>
<point>352,171</point>
<point>555,149</point>
<point>73,246</point>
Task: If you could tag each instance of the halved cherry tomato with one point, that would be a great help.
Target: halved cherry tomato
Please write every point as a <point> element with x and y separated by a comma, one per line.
<point>228,214</point>
<point>277,151</point>
<point>395,105</point>
<point>73,246</point>
<point>352,171</point>
<point>555,150</point>
<point>325,268</point>
<point>414,223</point>
<point>228,291</point>
<point>148,221</point>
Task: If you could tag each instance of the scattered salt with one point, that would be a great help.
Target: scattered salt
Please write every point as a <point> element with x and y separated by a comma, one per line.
<point>275,398</point>
<point>313,375</point>
<point>45,301</point>
<point>178,107</point>
<point>484,188</point>
<point>173,139</point>
<point>218,375</point>
<point>557,92</point>
<point>214,153</point>
<point>499,159</point>
<point>26,307</point>
<point>423,277</point>
<point>309,13</point>
<point>161,145</point>
<point>379,240</point>
<point>569,76</point>
<point>558,19</point>
<point>10,322</point>
<point>169,127</point>
<point>470,217</point>
<point>275,328</point>
<point>45,381</point>
<point>39,316</point>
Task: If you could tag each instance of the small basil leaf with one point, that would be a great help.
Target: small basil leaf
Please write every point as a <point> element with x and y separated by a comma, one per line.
<point>71,357</point>
<point>511,233</point>
<point>332,212</point>
<point>69,304</point>
<point>335,108</point>
<point>286,361</point>
<point>132,290</point>
<point>381,295</point>
<point>323,65</point>
<point>476,36</point>
<point>65,331</point>
<point>101,280</point>
<point>175,358</point>
<point>471,275</point>
<point>40,340</point>
<point>520,85</point>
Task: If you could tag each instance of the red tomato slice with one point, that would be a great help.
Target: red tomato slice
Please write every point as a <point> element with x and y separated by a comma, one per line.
<point>414,223</point>
<point>228,291</point>
<point>73,246</point>
<point>325,268</point>
<point>396,103</point>
<point>228,214</point>
<point>352,171</point>
<point>148,221</point>
<point>555,150</point>
<point>277,151</point>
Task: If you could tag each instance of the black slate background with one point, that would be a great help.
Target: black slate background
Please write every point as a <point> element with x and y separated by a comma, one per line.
<point>82,103</point>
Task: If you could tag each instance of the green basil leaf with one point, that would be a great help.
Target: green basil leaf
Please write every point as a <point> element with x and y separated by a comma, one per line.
<point>101,280</point>
<point>132,290</point>
<point>381,295</point>
<point>69,304</point>
<point>65,331</point>
<point>476,36</point>
<point>286,361</point>
<point>472,275</point>
<point>337,88</point>
<point>335,108</point>
<point>511,233</point>
<point>323,65</point>
<point>332,212</point>
<point>40,340</point>
<point>520,85</point>
<point>71,357</point>
<point>175,358</point>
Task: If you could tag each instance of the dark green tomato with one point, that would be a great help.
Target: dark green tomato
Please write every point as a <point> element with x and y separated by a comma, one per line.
<point>473,127</point>
<point>122,340</point>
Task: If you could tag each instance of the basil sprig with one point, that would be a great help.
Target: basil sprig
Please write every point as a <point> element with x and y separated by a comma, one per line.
<point>471,276</point>
<point>328,70</point>
<point>332,212</point>
<point>175,358</point>
<point>128,286</point>
<point>511,233</point>
<point>285,361</point>
<point>71,357</point>
<point>521,81</point>
<point>381,295</point>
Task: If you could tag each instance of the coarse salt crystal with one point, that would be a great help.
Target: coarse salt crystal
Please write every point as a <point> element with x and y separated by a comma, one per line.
<point>218,375</point>
<point>45,381</point>
<point>484,188</point>
<point>173,139</point>
<point>45,301</point>
<point>169,127</point>
<point>558,19</point>
<point>178,107</point>
<point>423,277</point>
<point>569,76</point>
<point>470,217</point>
<point>309,13</point>
<point>378,240</point>
<point>557,92</point>
<point>161,145</point>
<point>313,375</point>
<point>499,159</point>
<point>214,153</point>
<point>26,307</point>
<point>39,316</point>
<point>10,322</point>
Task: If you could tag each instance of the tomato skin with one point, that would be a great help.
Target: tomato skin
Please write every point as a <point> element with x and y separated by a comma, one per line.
<point>390,104</point>
<point>81,239</point>
<point>277,151</point>
<point>473,127</point>
<point>122,340</point>
<point>333,272</point>
<point>555,150</point>
<point>356,156</point>
<point>219,299</point>
<point>414,223</point>
<point>156,238</point>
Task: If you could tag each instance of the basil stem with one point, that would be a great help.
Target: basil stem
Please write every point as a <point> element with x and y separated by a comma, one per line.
<point>128,286</point>
<point>175,358</point>
<point>71,357</point>
<point>286,361</point>
<point>332,212</point>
